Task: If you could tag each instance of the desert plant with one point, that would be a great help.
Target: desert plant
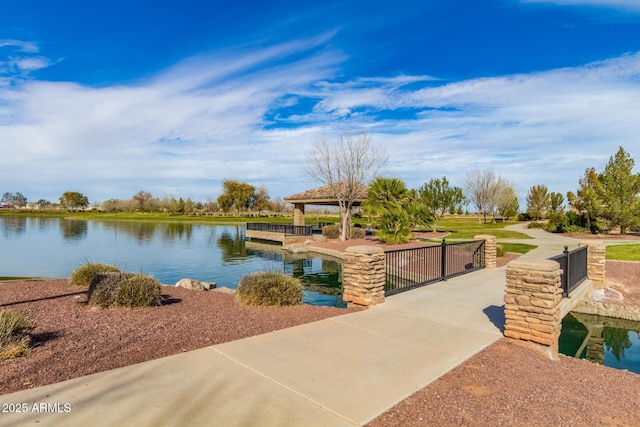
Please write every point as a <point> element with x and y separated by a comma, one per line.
<point>81,276</point>
<point>14,335</point>
<point>331,231</point>
<point>124,290</point>
<point>269,289</point>
<point>358,233</point>
<point>139,291</point>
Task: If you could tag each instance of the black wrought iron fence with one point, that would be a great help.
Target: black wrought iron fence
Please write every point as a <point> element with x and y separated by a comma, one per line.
<point>574,268</point>
<point>410,268</point>
<point>287,229</point>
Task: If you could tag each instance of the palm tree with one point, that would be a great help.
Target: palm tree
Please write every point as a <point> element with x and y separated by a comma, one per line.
<point>391,201</point>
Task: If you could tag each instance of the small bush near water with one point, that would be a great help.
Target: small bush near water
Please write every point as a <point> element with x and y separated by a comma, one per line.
<point>124,290</point>
<point>331,231</point>
<point>14,335</point>
<point>81,276</point>
<point>269,289</point>
<point>358,233</point>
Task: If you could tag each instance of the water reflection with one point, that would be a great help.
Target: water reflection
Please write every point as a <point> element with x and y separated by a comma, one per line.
<point>232,245</point>
<point>73,229</point>
<point>14,226</point>
<point>604,340</point>
<point>321,275</point>
<point>54,247</point>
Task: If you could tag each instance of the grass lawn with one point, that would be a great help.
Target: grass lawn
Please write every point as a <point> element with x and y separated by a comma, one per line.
<point>160,217</point>
<point>468,227</point>
<point>630,252</point>
<point>517,248</point>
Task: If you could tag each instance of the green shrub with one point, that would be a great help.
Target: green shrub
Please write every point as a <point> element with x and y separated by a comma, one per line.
<point>500,251</point>
<point>82,276</point>
<point>139,291</point>
<point>331,231</point>
<point>268,289</point>
<point>14,335</point>
<point>536,224</point>
<point>124,290</point>
<point>358,233</point>
<point>524,217</point>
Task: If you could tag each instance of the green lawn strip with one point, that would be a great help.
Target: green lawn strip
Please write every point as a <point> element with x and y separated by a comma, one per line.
<point>626,252</point>
<point>517,248</point>
<point>160,217</point>
<point>469,227</point>
<point>499,234</point>
<point>8,278</point>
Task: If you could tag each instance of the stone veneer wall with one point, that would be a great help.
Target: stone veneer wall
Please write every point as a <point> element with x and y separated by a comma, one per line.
<point>532,303</point>
<point>490,250</point>
<point>596,263</point>
<point>363,275</point>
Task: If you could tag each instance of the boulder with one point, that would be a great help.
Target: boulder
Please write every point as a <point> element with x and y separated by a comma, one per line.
<point>297,248</point>
<point>195,285</point>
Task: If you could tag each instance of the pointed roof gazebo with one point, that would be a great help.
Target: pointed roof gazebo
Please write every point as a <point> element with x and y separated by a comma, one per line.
<point>322,196</point>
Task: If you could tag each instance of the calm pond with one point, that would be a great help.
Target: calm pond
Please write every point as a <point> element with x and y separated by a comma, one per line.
<point>604,340</point>
<point>54,247</point>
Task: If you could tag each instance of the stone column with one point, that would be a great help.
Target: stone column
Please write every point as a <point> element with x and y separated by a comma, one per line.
<point>298,214</point>
<point>532,303</point>
<point>363,275</point>
<point>490,250</point>
<point>596,263</point>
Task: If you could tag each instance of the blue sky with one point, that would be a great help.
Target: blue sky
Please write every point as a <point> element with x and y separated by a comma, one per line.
<point>109,98</point>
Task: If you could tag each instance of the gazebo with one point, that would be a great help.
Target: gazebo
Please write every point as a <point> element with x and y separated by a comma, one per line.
<point>323,196</point>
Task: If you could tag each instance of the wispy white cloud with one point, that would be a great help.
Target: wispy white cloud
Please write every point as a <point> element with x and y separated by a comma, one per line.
<point>628,5</point>
<point>20,45</point>
<point>21,61</point>
<point>544,127</point>
<point>199,121</point>
<point>252,114</point>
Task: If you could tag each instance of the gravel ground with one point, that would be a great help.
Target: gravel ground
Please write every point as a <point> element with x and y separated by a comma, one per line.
<point>509,384</point>
<point>506,384</point>
<point>74,340</point>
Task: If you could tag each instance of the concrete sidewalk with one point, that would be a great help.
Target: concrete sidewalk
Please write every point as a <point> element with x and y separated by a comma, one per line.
<point>342,371</point>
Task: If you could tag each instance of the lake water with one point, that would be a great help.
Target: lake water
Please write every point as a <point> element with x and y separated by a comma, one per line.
<point>604,340</point>
<point>54,247</point>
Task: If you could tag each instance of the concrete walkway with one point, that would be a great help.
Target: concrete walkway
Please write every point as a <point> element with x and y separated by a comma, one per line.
<point>550,244</point>
<point>342,371</point>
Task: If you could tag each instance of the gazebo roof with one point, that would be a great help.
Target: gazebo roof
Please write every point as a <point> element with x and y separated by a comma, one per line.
<point>325,195</point>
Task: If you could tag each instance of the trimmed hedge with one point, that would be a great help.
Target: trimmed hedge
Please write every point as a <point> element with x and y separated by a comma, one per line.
<point>269,289</point>
<point>81,276</point>
<point>124,290</point>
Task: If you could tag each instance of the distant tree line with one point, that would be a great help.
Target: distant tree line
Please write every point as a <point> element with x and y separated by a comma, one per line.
<point>605,201</point>
<point>237,197</point>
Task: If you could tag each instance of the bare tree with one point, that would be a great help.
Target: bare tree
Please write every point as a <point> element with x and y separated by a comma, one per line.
<point>480,188</point>
<point>143,200</point>
<point>506,199</point>
<point>345,165</point>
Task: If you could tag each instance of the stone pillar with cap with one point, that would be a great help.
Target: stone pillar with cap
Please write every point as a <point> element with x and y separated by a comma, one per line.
<point>532,303</point>
<point>363,275</point>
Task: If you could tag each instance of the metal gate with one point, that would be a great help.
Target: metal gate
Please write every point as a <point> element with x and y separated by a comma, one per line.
<point>410,268</point>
